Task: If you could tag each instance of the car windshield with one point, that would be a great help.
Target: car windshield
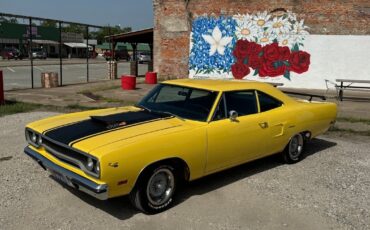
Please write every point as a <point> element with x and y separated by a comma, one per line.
<point>180,101</point>
<point>37,50</point>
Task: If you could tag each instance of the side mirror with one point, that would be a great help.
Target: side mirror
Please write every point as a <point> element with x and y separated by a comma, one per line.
<point>233,115</point>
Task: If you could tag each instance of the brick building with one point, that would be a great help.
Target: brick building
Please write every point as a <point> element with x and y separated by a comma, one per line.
<point>327,21</point>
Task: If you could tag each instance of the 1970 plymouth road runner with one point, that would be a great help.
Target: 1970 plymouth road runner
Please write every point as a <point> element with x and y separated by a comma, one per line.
<point>182,130</point>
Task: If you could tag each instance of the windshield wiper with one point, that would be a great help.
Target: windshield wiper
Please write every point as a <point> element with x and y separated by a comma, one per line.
<point>143,107</point>
<point>158,111</point>
<point>169,113</point>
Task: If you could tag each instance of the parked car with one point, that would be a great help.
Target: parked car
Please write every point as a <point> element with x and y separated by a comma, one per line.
<point>39,53</point>
<point>118,55</point>
<point>180,131</point>
<point>11,53</point>
<point>143,57</point>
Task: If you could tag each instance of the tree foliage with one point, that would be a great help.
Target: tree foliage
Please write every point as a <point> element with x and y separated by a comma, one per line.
<point>106,31</point>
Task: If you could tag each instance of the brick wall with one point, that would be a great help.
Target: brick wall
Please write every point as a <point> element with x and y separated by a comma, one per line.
<point>172,23</point>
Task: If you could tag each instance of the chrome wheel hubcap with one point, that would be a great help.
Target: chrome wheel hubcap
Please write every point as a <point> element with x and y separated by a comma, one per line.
<point>160,186</point>
<point>295,147</point>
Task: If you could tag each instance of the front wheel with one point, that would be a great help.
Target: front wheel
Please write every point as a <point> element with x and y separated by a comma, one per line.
<point>155,190</point>
<point>293,151</point>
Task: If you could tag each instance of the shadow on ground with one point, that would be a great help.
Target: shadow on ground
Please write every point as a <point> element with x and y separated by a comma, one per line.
<point>122,209</point>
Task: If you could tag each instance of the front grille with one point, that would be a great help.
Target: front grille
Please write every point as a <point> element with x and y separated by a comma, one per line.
<point>65,153</point>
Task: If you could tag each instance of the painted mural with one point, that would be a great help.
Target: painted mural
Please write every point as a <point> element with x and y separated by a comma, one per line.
<point>262,45</point>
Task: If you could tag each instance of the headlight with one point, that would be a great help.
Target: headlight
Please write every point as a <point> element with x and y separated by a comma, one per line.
<point>90,164</point>
<point>97,168</point>
<point>33,138</point>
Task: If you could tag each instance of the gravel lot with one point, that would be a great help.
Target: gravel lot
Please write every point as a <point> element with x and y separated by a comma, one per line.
<point>330,189</point>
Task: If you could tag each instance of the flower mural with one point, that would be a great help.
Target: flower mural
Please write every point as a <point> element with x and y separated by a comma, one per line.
<point>263,45</point>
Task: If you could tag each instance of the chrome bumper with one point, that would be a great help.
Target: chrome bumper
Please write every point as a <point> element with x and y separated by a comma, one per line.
<point>99,191</point>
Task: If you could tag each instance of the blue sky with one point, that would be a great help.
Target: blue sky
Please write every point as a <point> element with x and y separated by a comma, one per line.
<point>135,13</point>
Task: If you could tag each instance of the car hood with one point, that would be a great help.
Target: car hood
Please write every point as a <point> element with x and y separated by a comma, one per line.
<point>90,130</point>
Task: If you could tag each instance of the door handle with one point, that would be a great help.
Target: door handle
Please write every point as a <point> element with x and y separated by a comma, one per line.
<point>264,125</point>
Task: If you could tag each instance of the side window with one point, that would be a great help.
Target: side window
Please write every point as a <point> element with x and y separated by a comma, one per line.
<point>243,102</point>
<point>220,111</point>
<point>267,102</point>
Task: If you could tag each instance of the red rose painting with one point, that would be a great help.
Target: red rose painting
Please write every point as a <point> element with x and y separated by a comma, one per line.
<point>271,60</point>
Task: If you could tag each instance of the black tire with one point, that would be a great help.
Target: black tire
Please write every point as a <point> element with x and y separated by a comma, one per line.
<point>154,192</point>
<point>293,152</point>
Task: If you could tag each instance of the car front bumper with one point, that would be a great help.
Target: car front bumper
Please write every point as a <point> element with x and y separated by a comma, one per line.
<point>99,191</point>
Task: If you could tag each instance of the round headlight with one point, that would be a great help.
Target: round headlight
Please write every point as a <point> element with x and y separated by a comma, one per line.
<point>97,168</point>
<point>90,164</point>
<point>34,138</point>
<point>39,140</point>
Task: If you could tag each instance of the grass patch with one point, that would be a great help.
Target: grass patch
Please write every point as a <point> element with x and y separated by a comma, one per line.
<point>354,120</point>
<point>12,107</point>
<point>351,131</point>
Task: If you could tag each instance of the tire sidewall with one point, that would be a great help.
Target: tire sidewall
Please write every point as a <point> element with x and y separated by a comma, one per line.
<point>286,155</point>
<point>147,206</point>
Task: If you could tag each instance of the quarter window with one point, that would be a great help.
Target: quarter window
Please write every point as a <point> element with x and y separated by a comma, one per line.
<point>267,102</point>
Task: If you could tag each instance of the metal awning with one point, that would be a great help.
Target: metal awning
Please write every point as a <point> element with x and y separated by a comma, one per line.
<point>76,45</point>
<point>140,36</point>
<point>44,42</point>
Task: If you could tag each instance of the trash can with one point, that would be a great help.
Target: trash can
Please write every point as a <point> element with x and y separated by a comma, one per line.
<point>151,78</point>
<point>49,79</point>
<point>128,82</point>
<point>2,98</point>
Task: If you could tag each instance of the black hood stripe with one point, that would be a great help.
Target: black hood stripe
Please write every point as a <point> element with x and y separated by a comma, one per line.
<point>97,125</point>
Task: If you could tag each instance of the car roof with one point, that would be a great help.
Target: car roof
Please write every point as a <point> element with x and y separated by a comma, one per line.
<point>219,85</point>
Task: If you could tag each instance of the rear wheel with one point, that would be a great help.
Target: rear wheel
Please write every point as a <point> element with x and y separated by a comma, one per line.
<point>155,189</point>
<point>293,151</point>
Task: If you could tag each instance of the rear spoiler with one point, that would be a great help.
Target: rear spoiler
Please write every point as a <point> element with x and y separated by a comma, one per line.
<point>306,94</point>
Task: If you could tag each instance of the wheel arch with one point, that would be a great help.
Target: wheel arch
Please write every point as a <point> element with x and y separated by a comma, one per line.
<point>176,162</point>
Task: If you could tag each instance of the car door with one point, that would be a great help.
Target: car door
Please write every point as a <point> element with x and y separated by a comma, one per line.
<point>232,142</point>
<point>273,112</point>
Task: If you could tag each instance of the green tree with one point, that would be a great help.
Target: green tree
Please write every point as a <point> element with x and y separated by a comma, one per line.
<point>106,31</point>
<point>49,23</point>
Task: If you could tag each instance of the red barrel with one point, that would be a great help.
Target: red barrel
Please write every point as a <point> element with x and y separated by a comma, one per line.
<point>128,82</point>
<point>2,98</point>
<point>151,77</point>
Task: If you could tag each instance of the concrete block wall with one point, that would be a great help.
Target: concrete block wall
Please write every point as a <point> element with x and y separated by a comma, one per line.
<point>173,18</point>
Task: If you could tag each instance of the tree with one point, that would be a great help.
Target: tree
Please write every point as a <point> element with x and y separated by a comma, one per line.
<point>74,28</point>
<point>49,23</point>
<point>8,20</point>
<point>106,31</point>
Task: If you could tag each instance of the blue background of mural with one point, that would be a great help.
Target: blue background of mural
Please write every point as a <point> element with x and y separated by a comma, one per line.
<point>199,59</point>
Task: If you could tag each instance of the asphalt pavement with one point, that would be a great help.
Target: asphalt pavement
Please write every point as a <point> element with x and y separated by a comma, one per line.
<point>329,189</point>
<point>19,77</point>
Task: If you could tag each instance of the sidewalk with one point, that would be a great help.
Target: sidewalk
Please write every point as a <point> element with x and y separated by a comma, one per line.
<point>109,94</point>
<point>98,94</point>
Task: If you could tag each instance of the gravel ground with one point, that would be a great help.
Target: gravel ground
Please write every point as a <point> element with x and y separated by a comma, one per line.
<point>330,189</point>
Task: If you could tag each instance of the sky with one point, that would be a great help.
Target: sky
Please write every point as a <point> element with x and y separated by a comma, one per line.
<point>137,14</point>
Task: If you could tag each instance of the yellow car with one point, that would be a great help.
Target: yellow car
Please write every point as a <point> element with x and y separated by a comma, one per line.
<point>181,131</point>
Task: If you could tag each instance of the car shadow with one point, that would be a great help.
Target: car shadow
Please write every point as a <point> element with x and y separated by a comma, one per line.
<point>122,209</point>
<point>229,176</point>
